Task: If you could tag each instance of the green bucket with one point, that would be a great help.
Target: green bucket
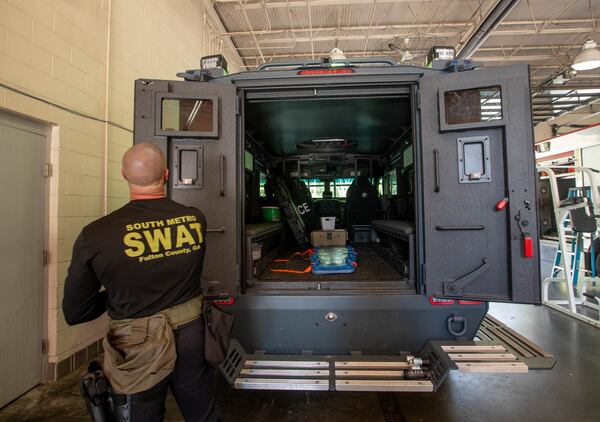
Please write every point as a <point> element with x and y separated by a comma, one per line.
<point>270,214</point>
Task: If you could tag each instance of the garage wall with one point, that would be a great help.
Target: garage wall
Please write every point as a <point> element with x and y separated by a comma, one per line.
<point>84,55</point>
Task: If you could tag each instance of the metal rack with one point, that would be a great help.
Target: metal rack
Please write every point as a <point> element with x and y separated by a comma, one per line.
<point>571,243</point>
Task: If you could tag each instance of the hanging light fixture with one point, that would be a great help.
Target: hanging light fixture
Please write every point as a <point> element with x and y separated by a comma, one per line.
<point>588,58</point>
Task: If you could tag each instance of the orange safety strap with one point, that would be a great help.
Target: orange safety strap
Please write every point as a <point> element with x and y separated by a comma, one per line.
<point>300,254</point>
<point>303,255</point>
<point>306,270</point>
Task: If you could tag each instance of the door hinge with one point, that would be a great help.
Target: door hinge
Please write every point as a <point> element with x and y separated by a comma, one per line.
<point>45,257</point>
<point>44,347</point>
<point>47,169</point>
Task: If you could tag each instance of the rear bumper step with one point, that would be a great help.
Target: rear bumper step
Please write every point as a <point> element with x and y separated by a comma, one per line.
<point>498,349</point>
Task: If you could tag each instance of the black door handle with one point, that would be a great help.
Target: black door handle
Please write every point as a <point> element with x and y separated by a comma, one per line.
<point>458,228</point>
<point>222,179</point>
<point>436,169</point>
<point>219,230</point>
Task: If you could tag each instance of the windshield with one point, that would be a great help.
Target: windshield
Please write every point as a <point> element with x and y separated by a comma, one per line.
<point>338,187</point>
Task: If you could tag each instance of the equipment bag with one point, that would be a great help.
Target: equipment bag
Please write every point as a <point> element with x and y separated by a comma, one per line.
<point>218,325</point>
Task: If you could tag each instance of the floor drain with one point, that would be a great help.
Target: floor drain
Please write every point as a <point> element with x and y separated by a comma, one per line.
<point>390,407</point>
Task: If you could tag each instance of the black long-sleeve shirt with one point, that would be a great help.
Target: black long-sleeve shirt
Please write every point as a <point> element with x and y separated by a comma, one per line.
<point>147,254</point>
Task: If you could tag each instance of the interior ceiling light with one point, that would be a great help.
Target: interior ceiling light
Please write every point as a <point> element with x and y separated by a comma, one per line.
<point>588,58</point>
<point>326,145</point>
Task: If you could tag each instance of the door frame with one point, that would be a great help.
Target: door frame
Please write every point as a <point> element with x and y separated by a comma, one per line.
<point>39,127</point>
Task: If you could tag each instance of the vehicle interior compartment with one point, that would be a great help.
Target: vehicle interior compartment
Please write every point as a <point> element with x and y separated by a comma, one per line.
<point>325,173</point>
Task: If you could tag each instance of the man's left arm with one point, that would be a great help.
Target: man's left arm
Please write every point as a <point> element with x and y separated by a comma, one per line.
<point>83,301</point>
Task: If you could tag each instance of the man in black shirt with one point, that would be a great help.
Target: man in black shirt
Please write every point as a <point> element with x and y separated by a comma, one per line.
<point>148,256</point>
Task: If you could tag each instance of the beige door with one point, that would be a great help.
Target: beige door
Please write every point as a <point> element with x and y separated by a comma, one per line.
<point>22,154</point>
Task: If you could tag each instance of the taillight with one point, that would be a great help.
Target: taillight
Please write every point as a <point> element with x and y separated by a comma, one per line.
<point>436,301</point>
<point>469,302</point>
<point>325,71</point>
<point>228,301</point>
<point>527,245</point>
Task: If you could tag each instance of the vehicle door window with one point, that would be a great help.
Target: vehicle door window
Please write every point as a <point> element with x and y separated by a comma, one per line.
<point>262,183</point>
<point>473,105</point>
<point>392,182</point>
<point>187,115</point>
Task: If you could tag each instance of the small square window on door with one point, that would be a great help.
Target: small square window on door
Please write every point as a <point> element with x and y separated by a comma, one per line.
<point>474,161</point>
<point>187,162</point>
<point>187,116</point>
<point>471,108</point>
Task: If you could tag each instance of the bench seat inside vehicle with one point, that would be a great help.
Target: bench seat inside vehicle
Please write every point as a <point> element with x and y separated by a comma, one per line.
<point>396,244</point>
<point>394,226</point>
<point>263,243</point>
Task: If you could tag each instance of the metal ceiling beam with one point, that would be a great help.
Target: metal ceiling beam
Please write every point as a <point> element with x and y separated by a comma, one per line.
<point>373,9</point>
<point>543,25</point>
<point>518,58</point>
<point>262,57</point>
<point>259,4</point>
<point>569,86</point>
<point>575,113</point>
<point>414,29</point>
<point>217,24</point>
<point>359,37</point>
<point>485,28</point>
<point>312,41</point>
<point>489,59</point>
<point>570,96</point>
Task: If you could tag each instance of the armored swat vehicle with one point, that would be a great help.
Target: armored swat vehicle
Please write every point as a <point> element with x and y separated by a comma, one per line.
<point>423,179</point>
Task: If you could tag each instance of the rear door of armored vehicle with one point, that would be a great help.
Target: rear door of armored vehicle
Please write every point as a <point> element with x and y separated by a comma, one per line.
<point>478,186</point>
<point>195,125</point>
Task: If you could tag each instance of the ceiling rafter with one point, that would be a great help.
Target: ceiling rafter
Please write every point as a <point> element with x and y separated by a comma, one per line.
<point>303,3</point>
<point>541,28</point>
<point>441,25</point>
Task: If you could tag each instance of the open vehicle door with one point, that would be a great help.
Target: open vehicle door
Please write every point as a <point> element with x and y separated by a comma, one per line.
<point>478,173</point>
<point>195,124</point>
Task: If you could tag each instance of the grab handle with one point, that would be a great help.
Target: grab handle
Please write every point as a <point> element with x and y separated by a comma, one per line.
<point>222,178</point>
<point>436,169</point>
<point>458,228</point>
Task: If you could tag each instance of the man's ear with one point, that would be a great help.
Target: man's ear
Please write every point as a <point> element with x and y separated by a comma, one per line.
<point>123,174</point>
<point>166,175</point>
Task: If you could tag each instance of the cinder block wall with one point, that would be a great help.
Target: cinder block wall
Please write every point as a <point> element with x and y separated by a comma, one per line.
<point>85,55</point>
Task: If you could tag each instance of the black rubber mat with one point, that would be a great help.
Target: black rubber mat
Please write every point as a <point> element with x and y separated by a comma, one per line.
<point>390,407</point>
<point>371,266</point>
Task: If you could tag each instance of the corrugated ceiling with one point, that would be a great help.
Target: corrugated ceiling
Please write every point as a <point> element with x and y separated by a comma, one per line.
<point>544,33</point>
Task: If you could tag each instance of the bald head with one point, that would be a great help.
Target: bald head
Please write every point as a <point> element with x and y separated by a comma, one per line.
<point>144,165</point>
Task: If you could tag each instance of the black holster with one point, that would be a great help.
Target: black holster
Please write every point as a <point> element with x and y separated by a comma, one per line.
<point>97,393</point>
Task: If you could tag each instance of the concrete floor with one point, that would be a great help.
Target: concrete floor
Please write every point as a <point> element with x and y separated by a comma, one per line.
<point>569,392</point>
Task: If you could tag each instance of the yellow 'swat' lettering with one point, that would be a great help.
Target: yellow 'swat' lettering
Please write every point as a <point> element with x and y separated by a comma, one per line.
<point>158,237</point>
<point>133,240</point>
<point>184,236</point>
<point>197,227</point>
